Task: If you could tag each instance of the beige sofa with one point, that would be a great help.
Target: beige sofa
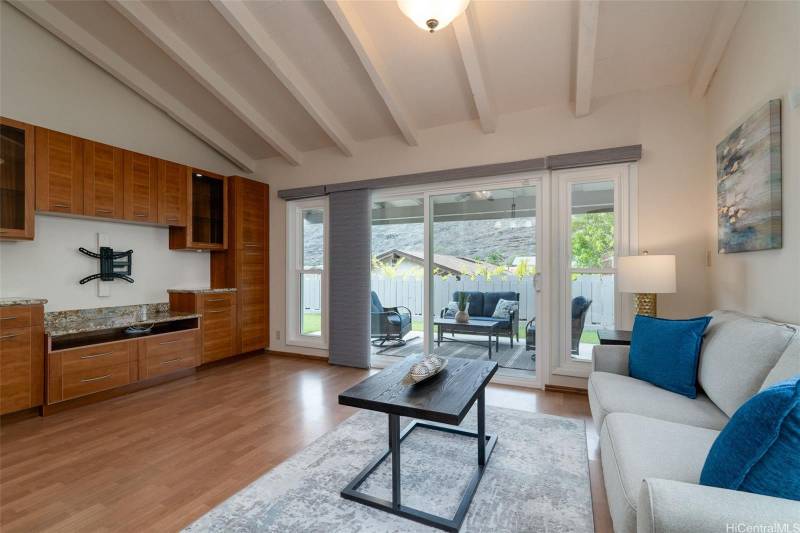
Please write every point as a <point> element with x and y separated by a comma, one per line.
<point>653,443</point>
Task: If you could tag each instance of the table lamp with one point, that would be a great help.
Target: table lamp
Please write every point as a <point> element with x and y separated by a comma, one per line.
<point>646,276</point>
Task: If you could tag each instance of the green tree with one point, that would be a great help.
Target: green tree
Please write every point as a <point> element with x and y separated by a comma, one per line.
<point>592,239</point>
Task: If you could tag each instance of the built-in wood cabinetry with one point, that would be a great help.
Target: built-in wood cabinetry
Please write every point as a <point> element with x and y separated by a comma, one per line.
<point>17,189</point>
<point>103,181</point>
<point>141,187</point>
<point>173,180</point>
<point>21,357</point>
<point>219,320</point>
<point>207,217</point>
<point>59,172</point>
<point>245,264</point>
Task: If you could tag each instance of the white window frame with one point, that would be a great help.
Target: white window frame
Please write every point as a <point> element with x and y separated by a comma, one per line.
<point>295,270</point>
<point>624,177</point>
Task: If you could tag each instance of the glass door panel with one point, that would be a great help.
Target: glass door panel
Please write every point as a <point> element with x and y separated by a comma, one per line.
<point>311,268</point>
<point>398,281</point>
<point>484,261</point>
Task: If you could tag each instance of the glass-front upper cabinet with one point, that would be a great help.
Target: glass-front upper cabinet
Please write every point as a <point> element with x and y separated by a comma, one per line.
<point>207,213</point>
<point>16,180</point>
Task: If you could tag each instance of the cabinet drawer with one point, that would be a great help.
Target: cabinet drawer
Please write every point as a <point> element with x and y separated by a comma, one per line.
<point>216,302</point>
<point>90,358</point>
<point>15,317</point>
<point>166,353</point>
<point>100,378</point>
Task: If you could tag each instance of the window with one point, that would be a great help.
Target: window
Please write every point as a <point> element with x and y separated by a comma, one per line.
<point>306,273</point>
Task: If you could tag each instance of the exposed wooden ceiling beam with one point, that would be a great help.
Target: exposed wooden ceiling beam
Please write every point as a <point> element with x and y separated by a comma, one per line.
<point>588,16</point>
<point>716,41</point>
<point>464,27</point>
<point>71,33</point>
<point>356,33</point>
<point>153,27</point>
<point>241,19</point>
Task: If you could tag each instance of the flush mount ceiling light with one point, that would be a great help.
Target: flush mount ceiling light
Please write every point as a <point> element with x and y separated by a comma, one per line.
<point>432,15</point>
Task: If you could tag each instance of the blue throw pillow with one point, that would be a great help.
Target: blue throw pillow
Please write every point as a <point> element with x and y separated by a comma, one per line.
<point>665,352</point>
<point>759,449</point>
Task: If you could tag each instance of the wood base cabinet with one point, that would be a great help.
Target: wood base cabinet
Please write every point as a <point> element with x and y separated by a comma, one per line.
<point>245,265</point>
<point>218,325</point>
<point>21,357</point>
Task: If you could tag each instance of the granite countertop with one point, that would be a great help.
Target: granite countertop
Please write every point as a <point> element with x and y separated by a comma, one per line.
<point>86,320</point>
<point>201,291</point>
<point>19,300</point>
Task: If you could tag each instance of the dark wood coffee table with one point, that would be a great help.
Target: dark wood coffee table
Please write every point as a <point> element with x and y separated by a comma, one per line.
<point>443,399</point>
<point>472,327</point>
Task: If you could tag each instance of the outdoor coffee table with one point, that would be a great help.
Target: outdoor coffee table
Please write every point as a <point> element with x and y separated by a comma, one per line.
<point>443,399</point>
<point>472,327</point>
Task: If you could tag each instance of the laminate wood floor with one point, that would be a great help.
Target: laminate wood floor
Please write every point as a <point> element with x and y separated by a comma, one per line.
<point>157,459</point>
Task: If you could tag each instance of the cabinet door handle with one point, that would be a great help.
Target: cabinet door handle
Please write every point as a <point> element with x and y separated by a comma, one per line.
<point>172,218</point>
<point>65,206</point>
<point>250,245</point>
<point>140,214</point>
<point>103,211</point>
<point>87,380</point>
<point>95,355</point>
<point>168,342</point>
<point>170,361</point>
<point>8,318</point>
<point>218,311</point>
<point>9,336</point>
<point>216,300</point>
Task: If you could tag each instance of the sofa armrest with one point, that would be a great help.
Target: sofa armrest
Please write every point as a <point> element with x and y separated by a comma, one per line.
<point>610,358</point>
<point>668,506</point>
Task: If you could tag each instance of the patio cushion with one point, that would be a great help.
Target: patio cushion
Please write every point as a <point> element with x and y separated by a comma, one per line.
<point>375,303</point>
<point>479,319</point>
<point>490,300</point>
<point>475,302</point>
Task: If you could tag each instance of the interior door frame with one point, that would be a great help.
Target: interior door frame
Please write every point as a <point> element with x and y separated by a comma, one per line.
<point>541,181</point>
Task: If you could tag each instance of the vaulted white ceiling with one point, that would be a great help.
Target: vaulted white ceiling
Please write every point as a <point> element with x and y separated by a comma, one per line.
<point>268,79</point>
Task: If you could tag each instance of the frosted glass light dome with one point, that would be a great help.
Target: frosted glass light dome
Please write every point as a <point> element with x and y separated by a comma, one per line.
<point>432,15</point>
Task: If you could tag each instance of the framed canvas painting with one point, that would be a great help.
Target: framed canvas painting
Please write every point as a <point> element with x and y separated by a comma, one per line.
<point>749,184</point>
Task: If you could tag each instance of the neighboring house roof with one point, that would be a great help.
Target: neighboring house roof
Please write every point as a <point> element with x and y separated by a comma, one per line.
<point>450,264</point>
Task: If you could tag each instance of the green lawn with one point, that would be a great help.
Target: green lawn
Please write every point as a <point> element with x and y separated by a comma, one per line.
<point>311,323</point>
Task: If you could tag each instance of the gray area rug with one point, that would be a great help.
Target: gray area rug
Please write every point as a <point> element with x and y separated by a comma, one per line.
<point>536,480</point>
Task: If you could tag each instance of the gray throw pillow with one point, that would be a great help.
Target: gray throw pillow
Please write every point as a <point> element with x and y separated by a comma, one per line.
<point>451,310</point>
<point>504,309</point>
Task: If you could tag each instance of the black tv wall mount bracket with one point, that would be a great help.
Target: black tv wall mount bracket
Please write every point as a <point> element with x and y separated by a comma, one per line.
<point>110,267</point>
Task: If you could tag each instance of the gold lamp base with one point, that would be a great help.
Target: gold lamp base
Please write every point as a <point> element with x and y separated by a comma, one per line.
<point>644,304</point>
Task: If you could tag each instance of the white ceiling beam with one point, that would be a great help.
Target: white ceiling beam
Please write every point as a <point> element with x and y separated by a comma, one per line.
<point>242,20</point>
<point>356,33</point>
<point>588,16</point>
<point>464,27</point>
<point>75,36</point>
<point>716,41</point>
<point>161,34</point>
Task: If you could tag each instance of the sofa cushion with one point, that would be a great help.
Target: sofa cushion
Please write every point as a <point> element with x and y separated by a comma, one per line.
<point>479,319</point>
<point>490,300</point>
<point>613,393</point>
<point>475,306</point>
<point>635,447</point>
<point>759,450</point>
<point>665,352</point>
<point>787,366</point>
<point>504,308</point>
<point>738,353</point>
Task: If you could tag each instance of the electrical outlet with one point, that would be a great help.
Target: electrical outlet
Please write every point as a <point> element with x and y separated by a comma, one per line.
<point>277,334</point>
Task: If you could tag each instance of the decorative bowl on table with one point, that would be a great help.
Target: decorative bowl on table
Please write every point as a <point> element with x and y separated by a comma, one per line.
<point>426,368</point>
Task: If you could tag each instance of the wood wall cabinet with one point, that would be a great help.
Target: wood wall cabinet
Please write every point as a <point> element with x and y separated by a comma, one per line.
<point>173,180</point>
<point>103,180</point>
<point>17,185</point>
<point>21,357</point>
<point>207,214</point>
<point>141,187</point>
<point>59,172</point>
<point>219,320</point>
<point>245,265</point>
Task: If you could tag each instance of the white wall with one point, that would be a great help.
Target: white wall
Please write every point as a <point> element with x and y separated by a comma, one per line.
<point>47,83</point>
<point>672,185</point>
<point>761,62</point>
<point>51,266</point>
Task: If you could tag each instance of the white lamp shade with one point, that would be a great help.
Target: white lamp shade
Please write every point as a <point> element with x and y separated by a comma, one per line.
<point>646,274</point>
<point>442,11</point>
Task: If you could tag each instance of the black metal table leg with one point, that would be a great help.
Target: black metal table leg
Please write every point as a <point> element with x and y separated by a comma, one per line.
<point>490,345</point>
<point>394,448</point>
<point>482,428</point>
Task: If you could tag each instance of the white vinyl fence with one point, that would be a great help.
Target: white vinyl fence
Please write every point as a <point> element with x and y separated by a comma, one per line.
<point>408,292</point>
